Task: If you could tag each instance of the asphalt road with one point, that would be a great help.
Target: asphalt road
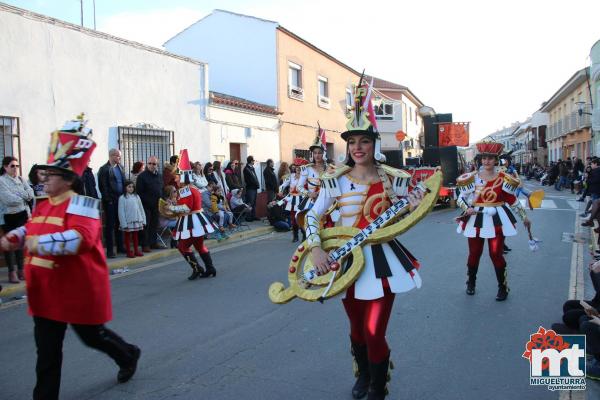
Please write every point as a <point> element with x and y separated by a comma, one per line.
<point>223,339</point>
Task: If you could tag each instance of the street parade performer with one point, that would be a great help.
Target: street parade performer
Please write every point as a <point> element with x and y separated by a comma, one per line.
<point>485,197</point>
<point>293,198</point>
<point>192,225</point>
<point>310,177</point>
<point>364,188</point>
<point>65,266</point>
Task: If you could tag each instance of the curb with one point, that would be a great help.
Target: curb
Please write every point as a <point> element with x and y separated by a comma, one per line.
<point>19,289</point>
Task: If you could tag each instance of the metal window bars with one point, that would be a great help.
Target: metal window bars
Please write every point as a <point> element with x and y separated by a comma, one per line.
<point>137,144</point>
<point>10,145</point>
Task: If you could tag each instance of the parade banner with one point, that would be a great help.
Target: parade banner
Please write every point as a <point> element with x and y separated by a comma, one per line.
<point>454,134</point>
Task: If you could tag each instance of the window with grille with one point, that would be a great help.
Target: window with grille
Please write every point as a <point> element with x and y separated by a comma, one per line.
<point>301,153</point>
<point>11,140</point>
<point>137,144</point>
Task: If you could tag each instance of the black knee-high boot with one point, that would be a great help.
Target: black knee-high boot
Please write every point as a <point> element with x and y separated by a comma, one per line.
<point>196,268</point>
<point>303,234</point>
<point>379,379</point>
<point>361,370</point>
<point>471,278</point>
<point>294,233</point>
<point>501,276</point>
<point>208,263</point>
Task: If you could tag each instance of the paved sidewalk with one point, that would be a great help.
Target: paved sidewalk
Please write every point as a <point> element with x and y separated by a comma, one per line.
<point>256,228</point>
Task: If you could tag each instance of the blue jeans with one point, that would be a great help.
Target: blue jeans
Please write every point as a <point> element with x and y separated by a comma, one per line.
<point>560,183</point>
<point>281,226</point>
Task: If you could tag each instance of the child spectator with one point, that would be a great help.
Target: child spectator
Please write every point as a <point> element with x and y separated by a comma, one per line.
<point>168,210</point>
<point>238,206</point>
<point>220,209</point>
<point>131,218</point>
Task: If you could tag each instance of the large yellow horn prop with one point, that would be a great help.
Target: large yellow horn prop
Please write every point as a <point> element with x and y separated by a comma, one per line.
<point>333,238</point>
<point>535,199</point>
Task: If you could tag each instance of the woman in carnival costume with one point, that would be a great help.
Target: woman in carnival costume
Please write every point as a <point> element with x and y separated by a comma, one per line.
<point>364,188</point>
<point>294,198</point>
<point>192,225</point>
<point>488,200</point>
<point>310,177</point>
<point>65,266</point>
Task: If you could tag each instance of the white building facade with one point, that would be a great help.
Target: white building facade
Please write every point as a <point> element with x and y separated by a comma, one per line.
<point>140,99</point>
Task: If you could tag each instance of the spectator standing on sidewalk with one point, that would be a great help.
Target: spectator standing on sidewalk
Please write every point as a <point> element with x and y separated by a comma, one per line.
<point>563,173</point>
<point>67,276</point>
<point>271,184</point>
<point>136,170</point>
<point>251,187</point>
<point>198,178</point>
<point>89,182</point>
<point>111,177</point>
<point>15,194</point>
<point>232,177</point>
<point>169,171</point>
<point>208,173</point>
<point>149,188</point>
<point>220,178</point>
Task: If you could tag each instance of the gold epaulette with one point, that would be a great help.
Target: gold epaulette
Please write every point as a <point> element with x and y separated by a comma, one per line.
<point>305,166</point>
<point>466,179</point>
<point>466,183</point>
<point>510,183</point>
<point>329,183</point>
<point>336,172</point>
<point>395,172</point>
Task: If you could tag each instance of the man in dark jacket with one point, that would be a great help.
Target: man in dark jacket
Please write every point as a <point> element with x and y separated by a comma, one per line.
<point>594,192</point>
<point>111,177</point>
<point>251,187</point>
<point>89,183</point>
<point>271,185</point>
<point>149,187</point>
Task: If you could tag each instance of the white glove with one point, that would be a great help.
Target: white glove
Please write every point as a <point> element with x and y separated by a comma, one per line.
<point>491,211</point>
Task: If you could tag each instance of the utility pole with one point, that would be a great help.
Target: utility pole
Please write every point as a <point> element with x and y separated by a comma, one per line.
<point>81,3</point>
<point>94,5</point>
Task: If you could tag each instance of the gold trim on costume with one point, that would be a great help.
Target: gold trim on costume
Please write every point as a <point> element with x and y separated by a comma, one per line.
<point>496,204</point>
<point>356,180</point>
<point>42,262</point>
<point>48,220</point>
<point>488,193</point>
<point>351,203</point>
<point>61,198</point>
<point>353,194</point>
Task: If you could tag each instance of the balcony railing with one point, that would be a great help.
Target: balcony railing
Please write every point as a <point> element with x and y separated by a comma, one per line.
<point>570,123</point>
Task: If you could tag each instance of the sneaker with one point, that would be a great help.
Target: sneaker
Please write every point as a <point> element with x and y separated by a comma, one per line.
<point>583,214</point>
<point>593,369</point>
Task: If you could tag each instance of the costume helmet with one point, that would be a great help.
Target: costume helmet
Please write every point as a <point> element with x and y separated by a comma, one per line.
<point>184,168</point>
<point>71,147</point>
<point>361,118</point>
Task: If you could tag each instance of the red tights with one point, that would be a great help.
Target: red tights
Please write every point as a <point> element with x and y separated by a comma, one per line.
<point>185,245</point>
<point>369,320</point>
<point>495,246</point>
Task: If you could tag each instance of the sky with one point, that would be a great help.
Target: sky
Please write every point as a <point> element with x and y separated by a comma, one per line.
<point>490,62</point>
